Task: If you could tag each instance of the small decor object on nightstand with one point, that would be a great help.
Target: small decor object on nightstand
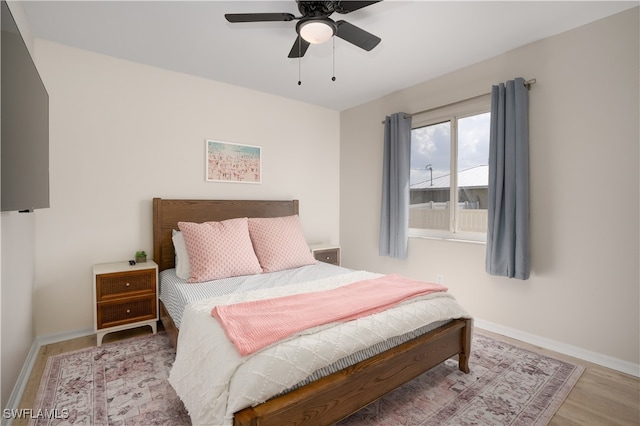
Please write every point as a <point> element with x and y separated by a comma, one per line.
<point>141,256</point>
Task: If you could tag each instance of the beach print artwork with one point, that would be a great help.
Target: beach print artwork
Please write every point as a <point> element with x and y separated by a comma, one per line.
<point>230,162</point>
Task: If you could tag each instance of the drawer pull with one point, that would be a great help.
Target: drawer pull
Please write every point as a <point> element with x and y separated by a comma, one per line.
<point>328,258</point>
<point>127,285</point>
<point>128,311</point>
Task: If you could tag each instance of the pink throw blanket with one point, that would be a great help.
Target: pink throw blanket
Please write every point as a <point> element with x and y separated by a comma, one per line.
<point>252,326</point>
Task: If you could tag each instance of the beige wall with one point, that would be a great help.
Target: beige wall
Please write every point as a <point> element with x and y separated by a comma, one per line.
<point>123,133</point>
<point>584,286</point>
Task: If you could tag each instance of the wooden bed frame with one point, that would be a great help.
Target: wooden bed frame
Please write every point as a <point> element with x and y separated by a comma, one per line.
<point>340,394</point>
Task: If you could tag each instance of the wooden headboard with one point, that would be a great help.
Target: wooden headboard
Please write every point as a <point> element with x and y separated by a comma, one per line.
<point>167,214</point>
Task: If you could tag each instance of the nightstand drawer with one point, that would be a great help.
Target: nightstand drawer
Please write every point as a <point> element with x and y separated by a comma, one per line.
<point>328,256</point>
<point>111,314</point>
<point>119,284</point>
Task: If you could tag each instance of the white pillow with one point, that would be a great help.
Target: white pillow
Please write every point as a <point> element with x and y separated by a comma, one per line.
<point>183,269</point>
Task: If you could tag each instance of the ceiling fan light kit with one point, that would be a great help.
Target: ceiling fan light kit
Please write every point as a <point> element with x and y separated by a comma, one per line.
<point>316,30</point>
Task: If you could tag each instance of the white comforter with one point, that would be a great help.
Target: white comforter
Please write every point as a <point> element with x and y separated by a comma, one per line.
<point>214,381</point>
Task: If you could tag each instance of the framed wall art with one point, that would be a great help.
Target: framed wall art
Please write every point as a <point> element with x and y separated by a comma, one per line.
<point>232,162</point>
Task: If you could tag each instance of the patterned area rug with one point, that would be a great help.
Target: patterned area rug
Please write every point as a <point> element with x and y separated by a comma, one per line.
<point>120,383</point>
<point>125,383</point>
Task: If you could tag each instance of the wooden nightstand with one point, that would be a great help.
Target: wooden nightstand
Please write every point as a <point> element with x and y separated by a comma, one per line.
<point>125,296</point>
<point>326,253</point>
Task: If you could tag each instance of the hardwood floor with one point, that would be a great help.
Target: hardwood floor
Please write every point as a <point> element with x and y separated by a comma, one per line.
<point>601,397</point>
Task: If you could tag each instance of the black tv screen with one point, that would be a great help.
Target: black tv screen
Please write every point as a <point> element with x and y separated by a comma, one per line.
<point>24,143</point>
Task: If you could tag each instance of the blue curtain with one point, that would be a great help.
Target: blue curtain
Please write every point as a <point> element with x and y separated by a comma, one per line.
<point>394,220</point>
<point>508,224</point>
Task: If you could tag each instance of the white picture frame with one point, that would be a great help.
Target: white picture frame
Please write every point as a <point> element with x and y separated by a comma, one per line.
<point>232,162</point>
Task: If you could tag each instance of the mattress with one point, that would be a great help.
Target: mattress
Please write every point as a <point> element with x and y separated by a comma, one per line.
<point>176,293</point>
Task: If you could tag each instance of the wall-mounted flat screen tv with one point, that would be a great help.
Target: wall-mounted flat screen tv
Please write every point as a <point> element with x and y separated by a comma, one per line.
<point>24,143</point>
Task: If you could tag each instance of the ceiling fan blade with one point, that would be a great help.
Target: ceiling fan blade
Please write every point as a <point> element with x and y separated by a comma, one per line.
<point>258,17</point>
<point>299,48</point>
<point>350,6</point>
<point>356,35</point>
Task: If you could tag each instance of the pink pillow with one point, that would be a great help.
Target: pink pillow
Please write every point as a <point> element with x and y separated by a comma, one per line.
<point>219,249</point>
<point>279,243</point>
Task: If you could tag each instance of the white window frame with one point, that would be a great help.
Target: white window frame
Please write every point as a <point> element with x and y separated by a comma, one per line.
<point>451,113</point>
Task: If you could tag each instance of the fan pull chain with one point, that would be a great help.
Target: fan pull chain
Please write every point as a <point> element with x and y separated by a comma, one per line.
<point>334,59</point>
<point>299,60</point>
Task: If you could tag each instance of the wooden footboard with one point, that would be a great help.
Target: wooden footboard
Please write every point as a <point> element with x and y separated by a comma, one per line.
<point>341,394</point>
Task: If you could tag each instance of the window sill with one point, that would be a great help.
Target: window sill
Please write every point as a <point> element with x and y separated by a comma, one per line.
<point>451,237</point>
<point>452,240</point>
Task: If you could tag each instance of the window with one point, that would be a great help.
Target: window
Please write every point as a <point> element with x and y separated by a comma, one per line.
<point>450,167</point>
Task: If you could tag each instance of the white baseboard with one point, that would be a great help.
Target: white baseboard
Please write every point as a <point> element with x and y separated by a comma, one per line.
<point>60,337</point>
<point>563,348</point>
<point>25,372</point>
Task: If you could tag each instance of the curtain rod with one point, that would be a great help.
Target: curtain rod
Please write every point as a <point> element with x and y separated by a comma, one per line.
<point>527,84</point>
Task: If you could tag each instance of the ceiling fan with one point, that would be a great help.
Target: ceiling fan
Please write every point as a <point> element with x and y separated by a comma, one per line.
<point>314,25</point>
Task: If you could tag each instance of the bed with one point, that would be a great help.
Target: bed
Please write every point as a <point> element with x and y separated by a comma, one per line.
<point>337,394</point>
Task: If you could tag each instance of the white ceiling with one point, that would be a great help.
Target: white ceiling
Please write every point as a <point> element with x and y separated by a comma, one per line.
<point>421,40</point>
